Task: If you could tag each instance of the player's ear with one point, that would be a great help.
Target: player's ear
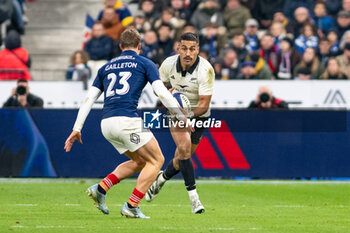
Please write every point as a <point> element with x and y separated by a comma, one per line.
<point>139,46</point>
<point>120,46</point>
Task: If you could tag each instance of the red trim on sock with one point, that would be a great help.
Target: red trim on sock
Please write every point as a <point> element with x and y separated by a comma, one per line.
<point>136,196</point>
<point>113,178</point>
<point>109,181</point>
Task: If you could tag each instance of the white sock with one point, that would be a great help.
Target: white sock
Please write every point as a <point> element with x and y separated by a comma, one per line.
<point>161,179</point>
<point>193,194</point>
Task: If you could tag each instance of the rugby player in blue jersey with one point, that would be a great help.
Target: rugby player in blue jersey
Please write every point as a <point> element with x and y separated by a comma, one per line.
<point>122,80</point>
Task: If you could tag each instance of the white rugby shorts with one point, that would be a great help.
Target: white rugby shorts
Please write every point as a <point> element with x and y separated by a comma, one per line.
<point>125,133</point>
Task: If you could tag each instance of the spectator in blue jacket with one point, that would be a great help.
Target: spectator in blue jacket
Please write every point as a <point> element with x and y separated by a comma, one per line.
<point>307,38</point>
<point>78,69</point>
<point>332,36</point>
<point>150,47</point>
<point>323,22</point>
<point>212,40</point>
<point>100,46</point>
<point>251,36</point>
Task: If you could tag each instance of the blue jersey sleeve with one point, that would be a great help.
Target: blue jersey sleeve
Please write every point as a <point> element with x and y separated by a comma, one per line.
<point>98,82</point>
<point>152,73</point>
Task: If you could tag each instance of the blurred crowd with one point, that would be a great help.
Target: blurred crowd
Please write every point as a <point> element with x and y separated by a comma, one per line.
<point>247,39</point>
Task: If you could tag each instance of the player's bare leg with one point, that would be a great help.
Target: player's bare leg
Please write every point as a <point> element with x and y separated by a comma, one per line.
<point>99,191</point>
<point>154,160</point>
<point>129,168</point>
<point>153,155</point>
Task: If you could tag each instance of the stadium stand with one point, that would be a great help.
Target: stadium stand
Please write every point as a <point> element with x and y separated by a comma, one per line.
<point>54,32</point>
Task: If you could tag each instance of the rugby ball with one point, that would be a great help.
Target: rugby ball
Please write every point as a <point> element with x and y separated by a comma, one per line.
<point>183,101</point>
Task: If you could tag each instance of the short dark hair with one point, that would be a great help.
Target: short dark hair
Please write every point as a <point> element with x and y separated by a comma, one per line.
<point>190,37</point>
<point>130,38</point>
<point>22,80</point>
<point>322,39</point>
<point>267,34</point>
<point>304,70</point>
<point>237,33</point>
<point>320,3</point>
<point>166,25</point>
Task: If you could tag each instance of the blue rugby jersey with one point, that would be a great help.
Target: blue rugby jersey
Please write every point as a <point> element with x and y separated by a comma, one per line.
<point>122,80</point>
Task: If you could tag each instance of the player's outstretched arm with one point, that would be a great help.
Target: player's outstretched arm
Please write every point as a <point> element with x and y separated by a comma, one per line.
<point>84,111</point>
<point>75,135</point>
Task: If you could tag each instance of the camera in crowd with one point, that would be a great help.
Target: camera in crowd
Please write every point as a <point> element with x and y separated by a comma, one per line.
<point>264,97</point>
<point>21,90</point>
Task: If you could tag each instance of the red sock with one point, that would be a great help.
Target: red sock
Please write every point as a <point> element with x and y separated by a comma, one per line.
<point>109,181</point>
<point>136,197</point>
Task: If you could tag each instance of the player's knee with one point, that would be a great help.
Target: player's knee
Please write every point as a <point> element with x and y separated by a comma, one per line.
<point>160,161</point>
<point>157,160</point>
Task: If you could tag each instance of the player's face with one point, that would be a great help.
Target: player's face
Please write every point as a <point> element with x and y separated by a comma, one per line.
<point>188,51</point>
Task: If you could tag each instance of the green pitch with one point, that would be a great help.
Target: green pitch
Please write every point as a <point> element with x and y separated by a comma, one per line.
<point>61,205</point>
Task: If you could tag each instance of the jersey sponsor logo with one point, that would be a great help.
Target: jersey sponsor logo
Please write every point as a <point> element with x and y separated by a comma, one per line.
<point>135,138</point>
<point>151,120</point>
<point>220,150</point>
<point>193,80</point>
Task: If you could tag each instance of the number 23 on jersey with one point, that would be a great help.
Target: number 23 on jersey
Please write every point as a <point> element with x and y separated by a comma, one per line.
<point>122,81</point>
